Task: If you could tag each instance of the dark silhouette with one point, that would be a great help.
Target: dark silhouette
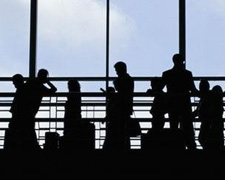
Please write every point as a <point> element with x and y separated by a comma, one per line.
<point>14,133</point>
<point>112,138</point>
<point>72,117</point>
<point>110,95</point>
<point>203,111</point>
<point>159,106</point>
<point>159,137</point>
<point>216,135</point>
<point>124,86</point>
<point>210,113</point>
<point>77,133</point>
<point>179,84</point>
<point>18,82</point>
<point>35,90</point>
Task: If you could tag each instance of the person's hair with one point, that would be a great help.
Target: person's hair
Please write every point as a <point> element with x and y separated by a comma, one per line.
<point>74,85</point>
<point>42,73</point>
<point>178,58</point>
<point>217,89</point>
<point>121,66</point>
<point>18,78</point>
<point>155,82</point>
<point>204,84</point>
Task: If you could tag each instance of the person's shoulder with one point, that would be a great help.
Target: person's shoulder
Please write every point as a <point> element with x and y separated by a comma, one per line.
<point>128,76</point>
<point>166,72</point>
<point>188,72</point>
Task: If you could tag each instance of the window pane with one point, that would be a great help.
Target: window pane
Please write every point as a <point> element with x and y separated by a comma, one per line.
<point>205,37</point>
<point>14,38</point>
<point>71,37</point>
<point>144,34</point>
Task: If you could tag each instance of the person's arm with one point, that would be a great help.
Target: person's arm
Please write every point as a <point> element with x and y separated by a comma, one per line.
<point>49,91</point>
<point>162,83</point>
<point>194,90</point>
<point>53,88</point>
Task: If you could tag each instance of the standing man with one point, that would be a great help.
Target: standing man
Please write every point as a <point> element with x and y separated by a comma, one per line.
<point>179,84</point>
<point>124,85</point>
<point>15,131</point>
<point>35,90</point>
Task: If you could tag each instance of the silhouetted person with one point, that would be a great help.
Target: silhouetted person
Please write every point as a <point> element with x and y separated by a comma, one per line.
<point>35,90</point>
<point>113,139</point>
<point>124,86</point>
<point>203,111</point>
<point>179,84</point>
<point>77,132</point>
<point>72,117</point>
<point>110,95</point>
<point>159,106</point>
<point>216,135</point>
<point>13,138</point>
<point>18,82</point>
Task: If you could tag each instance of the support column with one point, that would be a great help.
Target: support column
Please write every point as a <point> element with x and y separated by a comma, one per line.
<point>182,28</point>
<point>33,39</point>
<point>107,41</point>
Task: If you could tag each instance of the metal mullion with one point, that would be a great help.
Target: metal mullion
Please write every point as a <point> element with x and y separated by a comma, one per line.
<point>182,28</point>
<point>33,38</point>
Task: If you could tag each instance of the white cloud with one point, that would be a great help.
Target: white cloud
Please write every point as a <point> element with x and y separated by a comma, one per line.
<point>80,22</point>
<point>74,22</point>
<point>72,25</point>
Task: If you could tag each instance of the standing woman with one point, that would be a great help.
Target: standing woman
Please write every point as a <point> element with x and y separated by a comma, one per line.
<point>72,117</point>
<point>78,133</point>
<point>216,135</point>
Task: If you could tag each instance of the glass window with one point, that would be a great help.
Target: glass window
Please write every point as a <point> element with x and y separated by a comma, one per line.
<point>205,37</point>
<point>144,34</point>
<point>72,38</point>
<point>14,39</point>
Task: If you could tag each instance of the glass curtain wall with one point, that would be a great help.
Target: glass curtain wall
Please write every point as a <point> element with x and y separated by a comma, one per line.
<point>145,35</point>
<point>14,39</point>
<point>72,40</point>
<point>205,38</point>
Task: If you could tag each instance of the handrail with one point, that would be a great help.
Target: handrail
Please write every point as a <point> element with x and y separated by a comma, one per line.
<point>91,101</point>
<point>99,78</point>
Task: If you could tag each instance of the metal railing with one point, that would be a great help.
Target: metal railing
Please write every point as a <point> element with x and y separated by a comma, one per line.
<point>51,113</point>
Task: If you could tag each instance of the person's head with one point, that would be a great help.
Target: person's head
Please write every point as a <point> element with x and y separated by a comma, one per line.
<point>155,82</point>
<point>42,75</point>
<point>120,68</point>
<point>204,85</point>
<point>178,60</point>
<point>73,85</point>
<point>217,89</point>
<point>18,80</point>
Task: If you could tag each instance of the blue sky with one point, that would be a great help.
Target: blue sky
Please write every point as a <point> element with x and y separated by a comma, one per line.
<point>143,33</point>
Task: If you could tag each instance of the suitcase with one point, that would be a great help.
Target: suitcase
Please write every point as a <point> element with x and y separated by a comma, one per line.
<point>51,141</point>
